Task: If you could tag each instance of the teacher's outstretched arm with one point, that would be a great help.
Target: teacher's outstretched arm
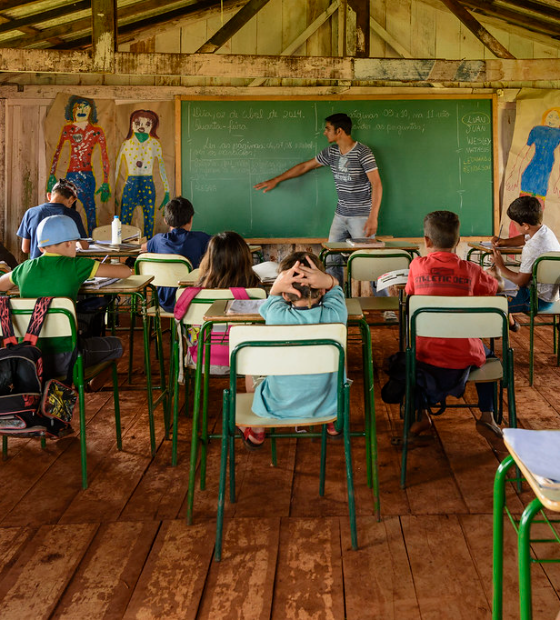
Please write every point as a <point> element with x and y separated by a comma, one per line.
<point>370,227</point>
<point>292,173</point>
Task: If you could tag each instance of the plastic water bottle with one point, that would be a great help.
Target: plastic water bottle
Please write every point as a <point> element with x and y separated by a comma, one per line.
<point>116,231</point>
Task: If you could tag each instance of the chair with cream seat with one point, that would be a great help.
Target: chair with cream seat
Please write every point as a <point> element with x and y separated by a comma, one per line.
<point>546,270</point>
<point>192,318</point>
<point>459,317</point>
<point>60,322</point>
<point>285,350</point>
<point>168,270</point>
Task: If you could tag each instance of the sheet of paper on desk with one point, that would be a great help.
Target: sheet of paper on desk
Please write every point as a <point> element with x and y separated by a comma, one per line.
<point>398,277</point>
<point>267,271</point>
<point>244,306</point>
<point>539,452</point>
<point>490,246</point>
<point>98,282</point>
<point>365,242</point>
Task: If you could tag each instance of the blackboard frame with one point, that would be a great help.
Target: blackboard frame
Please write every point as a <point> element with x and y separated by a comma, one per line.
<point>492,97</point>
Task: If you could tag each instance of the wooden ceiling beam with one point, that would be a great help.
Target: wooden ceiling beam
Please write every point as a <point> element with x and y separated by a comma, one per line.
<point>32,20</point>
<point>519,18</point>
<point>104,34</point>
<point>232,26</point>
<point>6,5</point>
<point>477,29</point>
<point>298,67</point>
<point>129,12</point>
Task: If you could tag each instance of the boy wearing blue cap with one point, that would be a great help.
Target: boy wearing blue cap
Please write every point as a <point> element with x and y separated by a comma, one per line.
<point>59,273</point>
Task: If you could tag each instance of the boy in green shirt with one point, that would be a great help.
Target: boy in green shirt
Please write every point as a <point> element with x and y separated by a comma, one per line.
<point>59,273</point>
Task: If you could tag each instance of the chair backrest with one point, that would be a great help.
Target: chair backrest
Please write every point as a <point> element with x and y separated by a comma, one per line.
<point>104,233</point>
<point>206,297</point>
<point>167,269</point>
<point>285,357</point>
<point>546,269</point>
<point>60,320</point>
<point>370,264</point>
<point>458,317</point>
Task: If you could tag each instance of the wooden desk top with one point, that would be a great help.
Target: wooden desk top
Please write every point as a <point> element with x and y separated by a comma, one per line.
<point>132,284</point>
<point>504,250</point>
<point>342,246</point>
<point>217,312</point>
<point>549,498</point>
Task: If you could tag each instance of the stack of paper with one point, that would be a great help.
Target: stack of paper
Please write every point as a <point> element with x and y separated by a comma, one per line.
<point>267,272</point>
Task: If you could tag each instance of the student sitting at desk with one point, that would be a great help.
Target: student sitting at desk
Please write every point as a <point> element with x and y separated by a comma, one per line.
<point>302,294</point>
<point>537,239</point>
<point>227,264</point>
<point>62,201</point>
<point>442,272</point>
<point>59,273</point>
<point>180,239</point>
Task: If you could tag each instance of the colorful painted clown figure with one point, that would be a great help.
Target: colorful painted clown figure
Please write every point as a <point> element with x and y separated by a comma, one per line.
<point>83,135</point>
<point>139,152</point>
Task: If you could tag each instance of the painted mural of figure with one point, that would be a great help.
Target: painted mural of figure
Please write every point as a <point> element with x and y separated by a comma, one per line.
<point>140,149</point>
<point>83,134</point>
<point>540,152</point>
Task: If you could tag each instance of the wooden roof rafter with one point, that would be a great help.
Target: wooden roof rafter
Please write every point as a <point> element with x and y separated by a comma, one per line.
<point>479,31</point>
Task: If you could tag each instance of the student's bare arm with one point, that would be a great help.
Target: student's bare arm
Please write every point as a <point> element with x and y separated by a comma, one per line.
<point>509,243</point>
<point>292,173</point>
<point>144,247</point>
<point>82,243</point>
<point>521,279</point>
<point>113,271</point>
<point>370,227</point>
<point>5,283</point>
<point>26,245</point>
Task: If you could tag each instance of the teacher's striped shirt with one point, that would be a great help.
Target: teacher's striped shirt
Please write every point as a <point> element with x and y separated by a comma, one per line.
<point>350,177</point>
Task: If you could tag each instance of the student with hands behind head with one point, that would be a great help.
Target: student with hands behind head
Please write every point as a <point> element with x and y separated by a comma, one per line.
<point>302,294</point>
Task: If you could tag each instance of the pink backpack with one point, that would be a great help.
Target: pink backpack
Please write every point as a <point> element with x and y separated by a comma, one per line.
<point>219,352</point>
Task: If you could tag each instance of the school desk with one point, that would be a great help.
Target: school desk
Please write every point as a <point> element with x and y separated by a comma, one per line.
<point>217,313</point>
<point>341,247</point>
<point>484,251</point>
<point>548,498</point>
<point>136,287</point>
<point>99,251</point>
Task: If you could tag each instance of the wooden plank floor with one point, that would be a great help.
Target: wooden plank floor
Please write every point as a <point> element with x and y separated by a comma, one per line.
<point>121,549</point>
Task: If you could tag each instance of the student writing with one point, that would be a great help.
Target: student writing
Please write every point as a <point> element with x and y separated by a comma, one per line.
<point>536,239</point>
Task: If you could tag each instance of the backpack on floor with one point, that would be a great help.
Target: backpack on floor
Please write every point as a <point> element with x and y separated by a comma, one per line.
<point>21,380</point>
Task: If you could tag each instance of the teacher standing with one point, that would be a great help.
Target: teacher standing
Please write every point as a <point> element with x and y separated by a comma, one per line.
<point>357,181</point>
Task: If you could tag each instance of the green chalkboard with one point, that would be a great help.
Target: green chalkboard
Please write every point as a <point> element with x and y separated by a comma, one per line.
<point>432,154</point>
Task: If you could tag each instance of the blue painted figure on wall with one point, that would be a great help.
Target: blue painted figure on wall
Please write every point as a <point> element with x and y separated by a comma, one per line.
<point>139,151</point>
<point>540,152</point>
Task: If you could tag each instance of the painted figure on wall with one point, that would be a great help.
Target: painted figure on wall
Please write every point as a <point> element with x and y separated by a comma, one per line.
<point>140,149</point>
<point>83,135</point>
<point>541,151</point>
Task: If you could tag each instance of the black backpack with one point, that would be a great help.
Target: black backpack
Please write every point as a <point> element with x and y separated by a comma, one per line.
<point>24,410</point>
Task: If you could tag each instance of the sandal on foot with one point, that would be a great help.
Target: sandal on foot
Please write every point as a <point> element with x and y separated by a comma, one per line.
<point>332,432</point>
<point>487,423</point>
<point>515,327</point>
<point>252,440</point>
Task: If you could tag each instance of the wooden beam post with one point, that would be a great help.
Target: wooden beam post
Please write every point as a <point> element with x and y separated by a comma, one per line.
<point>361,27</point>
<point>477,29</point>
<point>235,24</point>
<point>104,35</point>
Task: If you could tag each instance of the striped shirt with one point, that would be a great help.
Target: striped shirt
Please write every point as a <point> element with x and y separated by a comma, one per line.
<point>350,177</point>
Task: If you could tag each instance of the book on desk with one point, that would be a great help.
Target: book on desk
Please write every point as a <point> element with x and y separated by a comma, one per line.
<point>365,243</point>
<point>99,282</point>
